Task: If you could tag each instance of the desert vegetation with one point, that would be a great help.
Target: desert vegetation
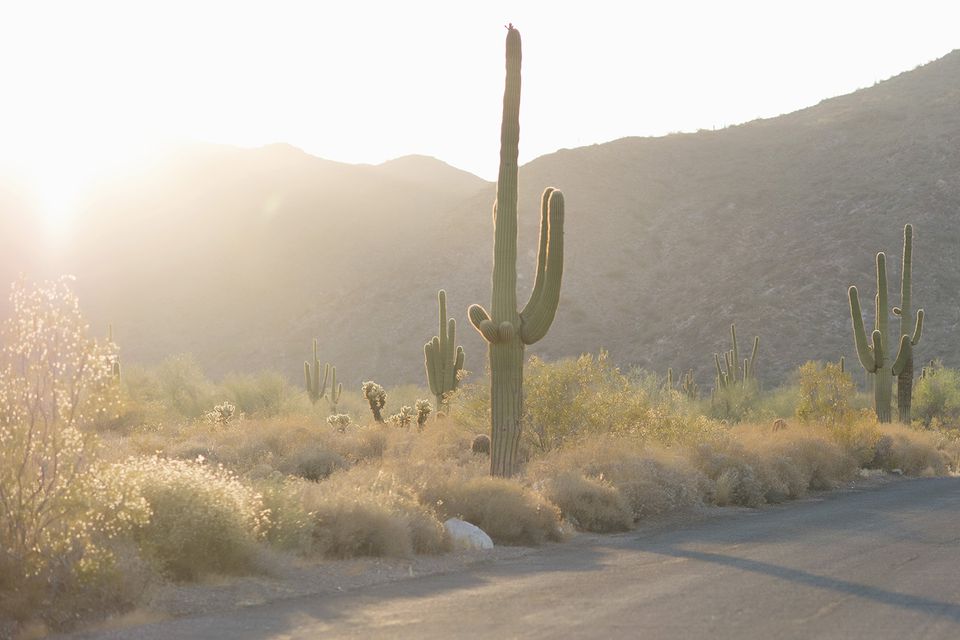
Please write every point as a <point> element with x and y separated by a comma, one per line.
<point>109,484</point>
<point>112,480</point>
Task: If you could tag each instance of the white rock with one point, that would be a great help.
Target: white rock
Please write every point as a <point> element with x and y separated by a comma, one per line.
<point>465,536</point>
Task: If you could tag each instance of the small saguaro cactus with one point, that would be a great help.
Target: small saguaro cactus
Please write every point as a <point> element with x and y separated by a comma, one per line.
<point>376,397</point>
<point>873,356</point>
<point>443,364</point>
<point>689,386</point>
<point>336,390</point>
<point>507,330</point>
<point>115,357</point>
<point>316,388</point>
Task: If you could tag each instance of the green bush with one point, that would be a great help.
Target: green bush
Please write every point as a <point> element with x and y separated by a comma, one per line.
<point>936,397</point>
<point>264,395</point>
<point>183,388</point>
<point>577,397</point>
<point>826,394</point>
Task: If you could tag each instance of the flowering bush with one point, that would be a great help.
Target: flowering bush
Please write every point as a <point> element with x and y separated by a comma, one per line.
<point>56,510</point>
<point>204,519</point>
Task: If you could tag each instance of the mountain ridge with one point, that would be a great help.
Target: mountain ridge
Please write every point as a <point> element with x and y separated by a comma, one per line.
<point>242,257</point>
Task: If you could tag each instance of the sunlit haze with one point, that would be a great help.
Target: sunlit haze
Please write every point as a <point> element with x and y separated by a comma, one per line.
<point>87,84</point>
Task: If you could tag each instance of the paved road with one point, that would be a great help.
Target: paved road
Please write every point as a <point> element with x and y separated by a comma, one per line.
<point>878,563</point>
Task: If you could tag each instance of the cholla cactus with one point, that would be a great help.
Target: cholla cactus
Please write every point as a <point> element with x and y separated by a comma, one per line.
<point>376,397</point>
<point>222,414</point>
<point>424,408</point>
<point>404,418</point>
<point>339,421</point>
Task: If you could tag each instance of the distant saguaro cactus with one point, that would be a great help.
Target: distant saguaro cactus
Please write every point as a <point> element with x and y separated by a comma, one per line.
<point>732,373</point>
<point>873,357</point>
<point>507,330</point>
<point>115,357</point>
<point>443,364</point>
<point>317,386</point>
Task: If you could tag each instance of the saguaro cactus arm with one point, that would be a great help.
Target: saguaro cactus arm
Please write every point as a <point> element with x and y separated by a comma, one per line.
<point>864,351</point>
<point>537,315</point>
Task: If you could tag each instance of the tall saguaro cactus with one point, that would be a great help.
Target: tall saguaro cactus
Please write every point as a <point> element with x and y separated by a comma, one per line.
<point>443,364</point>
<point>873,355</point>
<point>903,365</point>
<point>507,330</point>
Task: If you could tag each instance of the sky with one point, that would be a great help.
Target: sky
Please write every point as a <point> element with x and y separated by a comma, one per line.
<point>92,86</point>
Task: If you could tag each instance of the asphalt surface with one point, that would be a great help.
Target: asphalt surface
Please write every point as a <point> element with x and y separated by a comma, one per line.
<point>876,563</point>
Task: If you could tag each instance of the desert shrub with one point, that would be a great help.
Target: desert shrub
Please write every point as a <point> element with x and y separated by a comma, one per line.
<point>913,452</point>
<point>733,403</point>
<point>859,437</point>
<point>57,514</point>
<point>204,520</point>
<point>733,470</point>
<point>649,479</point>
<point>183,388</point>
<point>589,503</point>
<point>367,512</point>
<point>790,463</point>
<point>290,526</point>
<point>573,398</point>
<point>508,512</point>
<point>826,394</point>
<point>264,395</point>
<point>936,397</point>
<point>317,463</point>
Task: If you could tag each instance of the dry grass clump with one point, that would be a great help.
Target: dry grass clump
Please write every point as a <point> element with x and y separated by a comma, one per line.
<point>368,512</point>
<point>733,471</point>
<point>305,447</point>
<point>913,452</point>
<point>649,479</point>
<point>588,503</point>
<point>794,461</point>
<point>508,512</point>
<point>203,519</point>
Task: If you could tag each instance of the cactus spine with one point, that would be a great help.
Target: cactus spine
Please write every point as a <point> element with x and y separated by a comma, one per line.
<point>873,357</point>
<point>506,330</point>
<point>442,363</point>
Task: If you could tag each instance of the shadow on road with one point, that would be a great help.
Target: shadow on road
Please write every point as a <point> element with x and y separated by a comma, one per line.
<point>882,596</point>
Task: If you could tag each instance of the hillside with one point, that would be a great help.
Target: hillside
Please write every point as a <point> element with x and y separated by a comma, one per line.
<point>242,256</point>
